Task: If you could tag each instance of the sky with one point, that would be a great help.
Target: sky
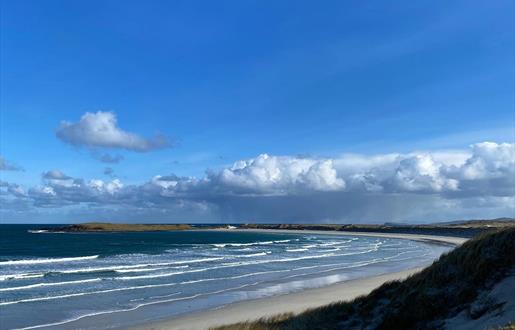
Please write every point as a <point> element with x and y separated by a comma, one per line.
<point>256,111</point>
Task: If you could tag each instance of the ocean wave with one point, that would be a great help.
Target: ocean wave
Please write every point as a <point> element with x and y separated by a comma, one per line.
<point>149,303</point>
<point>221,245</point>
<point>154,297</point>
<point>352,265</point>
<point>125,267</point>
<point>316,256</point>
<point>19,276</point>
<point>45,260</point>
<point>125,278</point>
<point>149,286</point>
<point>225,265</point>
<point>112,268</point>
<point>331,250</point>
<point>38,285</point>
<point>136,307</point>
<point>331,243</point>
<point>356,264</point>
<point>136,268</point>
<point>118,269</point>
<point>253,254</point>
<point>196,260</point>
<point>374,249</point>
<point>140,270</point>
<point>44,231</point>
<point>296,250</point>
<point>79,294</point>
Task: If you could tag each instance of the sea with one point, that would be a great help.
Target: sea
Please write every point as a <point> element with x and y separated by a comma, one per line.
<point>115,280</point>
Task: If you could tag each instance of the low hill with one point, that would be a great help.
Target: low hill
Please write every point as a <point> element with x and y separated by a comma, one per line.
<point>468,228</point>
<point>119,227</point>
<point>471,287</point>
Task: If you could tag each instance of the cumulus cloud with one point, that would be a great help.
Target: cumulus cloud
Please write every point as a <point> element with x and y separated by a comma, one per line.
<point>17,190</point>
<point>490,169</point>
<point>13,189</point>
<point>59,189</point>
<point>277,175</point>
<point>419,173</point>
<point>6,166</point>
<point>101,130</point>
<point>489,160</point>
<point>352,188</point>
<point>486,164</point>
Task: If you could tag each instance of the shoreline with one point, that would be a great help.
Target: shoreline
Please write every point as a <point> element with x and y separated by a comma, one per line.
<point>295,302</point>
<point>432,239</point>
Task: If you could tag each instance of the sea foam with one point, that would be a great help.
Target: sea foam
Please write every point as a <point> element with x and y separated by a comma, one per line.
<point>45,260</point>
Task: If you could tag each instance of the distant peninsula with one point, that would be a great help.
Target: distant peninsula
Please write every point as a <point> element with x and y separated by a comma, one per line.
<point>117,227</point>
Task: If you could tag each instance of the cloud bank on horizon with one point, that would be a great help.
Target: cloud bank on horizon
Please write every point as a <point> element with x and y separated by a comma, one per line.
<point>418,186</point>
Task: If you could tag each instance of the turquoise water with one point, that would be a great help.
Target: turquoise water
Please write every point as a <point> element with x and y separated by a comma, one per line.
<point>101,280</point>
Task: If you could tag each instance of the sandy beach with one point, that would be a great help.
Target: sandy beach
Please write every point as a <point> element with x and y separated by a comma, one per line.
<point>298,301</point>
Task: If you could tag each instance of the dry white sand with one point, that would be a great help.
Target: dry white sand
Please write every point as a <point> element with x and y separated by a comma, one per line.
<point>298,301</point>
<point>502,313</point>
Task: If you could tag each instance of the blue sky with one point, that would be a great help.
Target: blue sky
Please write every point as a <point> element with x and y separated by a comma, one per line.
<point>230,80</point>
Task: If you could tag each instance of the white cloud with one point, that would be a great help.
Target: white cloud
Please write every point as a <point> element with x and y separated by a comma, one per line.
<point>101,130</point>
<point>267,175</point>
<point>277,175</point>
<point>489,160</point>
<point>391,187</point>
<point>105,187</point>
<point>13,189</point>
<point>421,173</point>
<point>413,173</point>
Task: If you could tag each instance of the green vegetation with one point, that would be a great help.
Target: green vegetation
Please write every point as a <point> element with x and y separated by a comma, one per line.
<point>111,227</point>
<point>467,228</point>
<point>445,288</point>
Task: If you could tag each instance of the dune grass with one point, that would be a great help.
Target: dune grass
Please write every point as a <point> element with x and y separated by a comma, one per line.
<point>443,289</point>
